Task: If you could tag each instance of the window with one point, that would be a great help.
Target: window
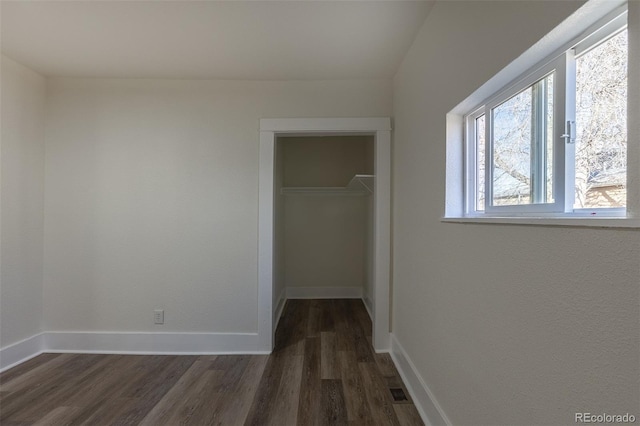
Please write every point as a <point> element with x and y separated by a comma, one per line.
<point>601,125</point>
<point>555,142</point>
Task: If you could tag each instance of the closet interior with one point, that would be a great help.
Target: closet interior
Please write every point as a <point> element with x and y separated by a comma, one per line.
<point>323,242</point>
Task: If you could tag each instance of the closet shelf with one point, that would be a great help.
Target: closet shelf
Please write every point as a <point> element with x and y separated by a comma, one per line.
<point>362,182</point>
<point>359,185</point>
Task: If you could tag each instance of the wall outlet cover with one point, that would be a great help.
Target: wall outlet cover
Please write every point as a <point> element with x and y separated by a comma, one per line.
<point>158,316</point>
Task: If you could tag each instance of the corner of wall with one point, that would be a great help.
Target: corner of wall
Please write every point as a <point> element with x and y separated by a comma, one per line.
<point>22,210</point>
<point>22,351</point>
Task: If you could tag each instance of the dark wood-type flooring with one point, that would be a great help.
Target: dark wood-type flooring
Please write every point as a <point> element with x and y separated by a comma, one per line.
<point>323,371</point>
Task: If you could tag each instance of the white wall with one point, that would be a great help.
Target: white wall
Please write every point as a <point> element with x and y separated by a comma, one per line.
<point>324,240</point>
<point>151,196</point>
<point>505,324</point>
<point>329,161</point>
<point>325,235</point>
<point>22,164</point>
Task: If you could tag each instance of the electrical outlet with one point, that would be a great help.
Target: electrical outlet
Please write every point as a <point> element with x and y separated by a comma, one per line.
<point>158,316</point>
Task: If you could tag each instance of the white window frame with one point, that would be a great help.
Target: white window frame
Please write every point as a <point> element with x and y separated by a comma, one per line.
<point>471,161</point>
<point>563,67</point>
<point>610,29</point>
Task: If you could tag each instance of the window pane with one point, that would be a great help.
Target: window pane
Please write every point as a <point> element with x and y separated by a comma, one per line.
<point>512,150</point>
<point>601,120</point>
<point>522,147</point>
<point>480,156</point>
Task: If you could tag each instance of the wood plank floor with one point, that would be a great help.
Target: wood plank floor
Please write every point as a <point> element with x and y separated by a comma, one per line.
<point>323,371</point>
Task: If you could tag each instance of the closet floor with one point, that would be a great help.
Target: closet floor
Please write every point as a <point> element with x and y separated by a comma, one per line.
<point>323,371</point>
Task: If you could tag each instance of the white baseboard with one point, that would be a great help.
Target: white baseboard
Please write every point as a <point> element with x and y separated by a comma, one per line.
<point>324,292</point>
<point>152,343</point>
<point>282,299</point>
<point>430,411</point>
<point>21,351</point>
<point>129,343</point>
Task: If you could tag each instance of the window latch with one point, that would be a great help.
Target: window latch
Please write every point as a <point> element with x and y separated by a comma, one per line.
<point>570,132</point>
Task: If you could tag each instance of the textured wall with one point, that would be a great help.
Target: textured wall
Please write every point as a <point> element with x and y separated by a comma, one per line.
<point>23,99</point>
<point>506,324</point>
<point>151,196</point>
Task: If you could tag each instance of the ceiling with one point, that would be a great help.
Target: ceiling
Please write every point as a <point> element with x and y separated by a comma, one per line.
<point>257,40</point>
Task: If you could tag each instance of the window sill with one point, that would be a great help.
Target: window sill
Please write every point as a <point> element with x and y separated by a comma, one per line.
<point>585,222</point>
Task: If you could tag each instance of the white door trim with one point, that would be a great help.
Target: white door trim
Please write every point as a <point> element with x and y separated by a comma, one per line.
<point>380,128</point>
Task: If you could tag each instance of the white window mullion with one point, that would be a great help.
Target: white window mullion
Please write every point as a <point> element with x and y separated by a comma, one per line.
<point>488,158</point>
<point>565,173</point>
<point>538,143</point>
<point>471,166</point>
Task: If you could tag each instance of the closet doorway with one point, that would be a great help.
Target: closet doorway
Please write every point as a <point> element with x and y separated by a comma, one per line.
<point>334,173</point>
